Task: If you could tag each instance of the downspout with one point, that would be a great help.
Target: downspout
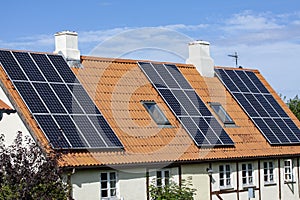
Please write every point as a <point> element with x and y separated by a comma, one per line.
<point>69,183</point>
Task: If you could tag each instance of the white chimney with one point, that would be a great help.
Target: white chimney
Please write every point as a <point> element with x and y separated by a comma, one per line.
<point>199,56</point>
<point>66,43</point>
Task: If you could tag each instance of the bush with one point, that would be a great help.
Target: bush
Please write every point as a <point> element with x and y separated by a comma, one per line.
<point>26,173</point>
<point>172,191</point>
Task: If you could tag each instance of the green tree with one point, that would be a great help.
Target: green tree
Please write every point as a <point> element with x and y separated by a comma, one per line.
<point>172,191</point>
<point>294,105</point>
<point>26,173</point>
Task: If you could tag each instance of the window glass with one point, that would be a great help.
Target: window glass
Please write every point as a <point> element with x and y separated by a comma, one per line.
<point>222,114</point>
<point>268,172</point>
<point>108,184</point>
<point>157,115</point>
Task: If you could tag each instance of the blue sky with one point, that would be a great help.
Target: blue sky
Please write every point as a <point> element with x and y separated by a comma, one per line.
<point>266,34</point>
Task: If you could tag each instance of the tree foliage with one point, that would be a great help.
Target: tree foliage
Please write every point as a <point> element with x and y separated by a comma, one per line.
<point>26,173</point>
<point>294,105</point>
<point>172,191</point>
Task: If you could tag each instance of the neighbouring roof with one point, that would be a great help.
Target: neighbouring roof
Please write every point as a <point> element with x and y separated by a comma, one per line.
<point>117,86</point>
<point>4,108</point>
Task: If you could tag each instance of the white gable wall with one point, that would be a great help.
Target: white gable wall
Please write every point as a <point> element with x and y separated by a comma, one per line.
<point>11,124</point>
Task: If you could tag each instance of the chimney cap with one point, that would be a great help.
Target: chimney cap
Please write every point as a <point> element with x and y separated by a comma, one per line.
<point>66,33</point>
<point>199,42</point>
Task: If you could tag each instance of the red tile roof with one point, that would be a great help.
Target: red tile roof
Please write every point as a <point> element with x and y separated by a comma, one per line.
<point>118,86</point>
<point>4,106</point>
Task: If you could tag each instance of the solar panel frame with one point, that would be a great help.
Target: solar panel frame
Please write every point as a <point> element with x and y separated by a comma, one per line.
<point>48,104</point>
<point>184,103</point>
<point>266,113</point>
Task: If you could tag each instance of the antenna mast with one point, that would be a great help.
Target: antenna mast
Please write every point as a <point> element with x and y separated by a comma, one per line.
<point>236,58</point>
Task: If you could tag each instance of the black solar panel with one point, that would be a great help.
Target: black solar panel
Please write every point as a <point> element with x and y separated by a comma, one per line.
<point>46,67</point>
<point>70,130</point>
<point>11,66</point>
<point>54,134</point>
<point>30,97</point>
<point>105,130</point>
<point>63,69</point>
<point>178,77</point>
<point>261,107</point>
<point>28,66</point>
<point>90,133</point>
<point>57,100</point>
<point>67,99</point>
<point>49,98</point>
<point>195,132</point>
<point>165,75</point>
<point>198,103</point>
<point>186,105</point>
<point>152,75</point>
<point>237,81</point>
<point>83,99</point>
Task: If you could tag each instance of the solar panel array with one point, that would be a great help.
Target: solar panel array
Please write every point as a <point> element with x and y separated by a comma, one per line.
<point>187,106</point>
<point>260,105</point>
<point>58,102</point>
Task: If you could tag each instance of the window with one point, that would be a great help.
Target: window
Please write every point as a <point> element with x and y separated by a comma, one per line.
<point>224,172</point>
<point>247,174</point>
<point>222,114</point>
<point>288,170</point>
<point>108,184</point>
<point>156,114</point>
<point>162,178</point>
<point>269,172</point>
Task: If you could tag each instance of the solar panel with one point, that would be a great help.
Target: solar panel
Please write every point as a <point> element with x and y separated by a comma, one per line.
<point>63,69</point>
<point>165,75</point>
<point>83,99</point>
<point>260,105</point>
<point>58,102</point>
<point>28,66</point>
<point>49,98</point>
<point>11,66</point>
<point>70,130</point>
<point>105,130</point>
<point>46,67</point>
<point>152,75</point>
<point>186,104</point>
<point>31,98</point>
<point>89,131</point>
<point>183,83</point>
<point>52,131</point>
<point>67,99</point>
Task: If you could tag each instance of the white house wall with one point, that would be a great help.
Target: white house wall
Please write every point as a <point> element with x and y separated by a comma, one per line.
<point>11,124</point>
<point>132,184</point>
<point>200,179</point>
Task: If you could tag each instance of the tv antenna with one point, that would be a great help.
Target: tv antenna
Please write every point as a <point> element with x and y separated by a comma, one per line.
<point>235,55</point>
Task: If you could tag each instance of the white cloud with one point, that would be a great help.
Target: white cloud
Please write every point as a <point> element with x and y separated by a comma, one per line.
<point>246,21</point>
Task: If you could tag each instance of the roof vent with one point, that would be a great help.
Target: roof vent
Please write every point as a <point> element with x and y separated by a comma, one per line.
<point>66,43</point>
<point>199,56</point>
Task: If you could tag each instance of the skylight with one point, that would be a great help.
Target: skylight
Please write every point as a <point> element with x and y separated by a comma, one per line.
<point>222,114</point>
<point>156,113</point>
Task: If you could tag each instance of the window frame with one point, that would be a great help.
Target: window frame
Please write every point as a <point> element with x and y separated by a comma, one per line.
<point>222,114</point>
<point>163,120</point>
<point>109,188</point>
<point>225,181</point>
<point>288,170</point>
<point>164,180</point>
<point>247,174</point>
<point>268,170</point>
